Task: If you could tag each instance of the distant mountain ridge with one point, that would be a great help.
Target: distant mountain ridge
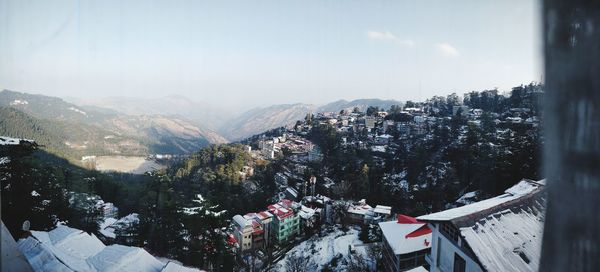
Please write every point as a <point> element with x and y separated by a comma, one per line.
<point>259,120</point>
<point>201,114</point>
<point>175,122</point>
<point>119,133</point>
<point>362,104</point>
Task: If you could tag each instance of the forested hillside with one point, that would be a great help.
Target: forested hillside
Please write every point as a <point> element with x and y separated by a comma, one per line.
<point>96,131</point>
<point>67,139</point>
<point>37,185</point>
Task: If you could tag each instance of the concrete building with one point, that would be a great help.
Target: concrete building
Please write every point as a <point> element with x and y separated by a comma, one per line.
<point>370,122</point>
<point>503,233</point>
<point>286,222</point>
<point>243,230</point>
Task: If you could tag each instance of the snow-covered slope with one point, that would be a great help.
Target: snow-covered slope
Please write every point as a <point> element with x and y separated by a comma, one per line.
<point>320,252</point>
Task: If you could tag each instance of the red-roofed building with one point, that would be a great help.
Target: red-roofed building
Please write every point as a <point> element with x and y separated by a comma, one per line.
<point>406,241</point>
<point>286,222</point>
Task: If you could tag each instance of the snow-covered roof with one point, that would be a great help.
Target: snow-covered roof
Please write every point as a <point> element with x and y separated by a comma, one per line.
<point>504,232</point>
<point>360,210</point>
<point>124,258</point>
<point>241,221</point>
<point>69,249</point>
<point>175,267</point>
<point>509,240</point>
<point>397,235</point>
<point>282,209</point>
<point>385,136</point>
<point>383,209</point>
<point>467,198</point>
<point>418,269</point>
<point>521,189</point>
<point>40,257</point>
<point>378,148</point>
<point>70,246</point>
<point>306,212</point>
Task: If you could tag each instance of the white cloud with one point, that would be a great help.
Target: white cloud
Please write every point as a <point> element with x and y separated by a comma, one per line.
<point>389,36</point>
<point>447,50</point>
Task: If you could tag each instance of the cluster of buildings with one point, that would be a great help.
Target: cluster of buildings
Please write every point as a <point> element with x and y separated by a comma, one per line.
<point>503,233</point>
<point>297,146</point>
<point>280,224</point>
<point>361,213</point>
<point>380,134</point>
<point>84,201</point>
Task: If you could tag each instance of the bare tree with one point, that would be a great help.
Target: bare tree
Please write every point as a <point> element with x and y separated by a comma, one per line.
<point>296,263</point>
<point>357,263</point>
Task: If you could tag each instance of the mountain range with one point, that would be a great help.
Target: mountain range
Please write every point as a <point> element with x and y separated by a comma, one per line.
<point>90,130</point>
<point>230,126</point>
<point>138,126</point>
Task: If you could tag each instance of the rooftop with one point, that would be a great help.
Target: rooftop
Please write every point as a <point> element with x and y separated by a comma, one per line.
<point>404,236</point>
<point>282,209</point>
<point>504,232</point>
<point>69,249</point>
<point>383,209</point>
<point>521,189</point>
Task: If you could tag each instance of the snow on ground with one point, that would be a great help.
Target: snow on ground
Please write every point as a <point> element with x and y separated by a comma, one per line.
<point>320,251</point>
<point>4,160</point>
<point>467,198</point>
<point>126,164</point>
<point>110,225</point>
<point>105,230</point>
<point>19,102</point>
<point>12,141</point>
<point>78,110</point>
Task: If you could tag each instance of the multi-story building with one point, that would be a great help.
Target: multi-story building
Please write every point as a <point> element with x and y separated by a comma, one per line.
<point>286,222</point>
<point>370,122</point>
<point>243,230</point>
<point>261,228</point>
<point>258,233</point>
<point>503,233</point>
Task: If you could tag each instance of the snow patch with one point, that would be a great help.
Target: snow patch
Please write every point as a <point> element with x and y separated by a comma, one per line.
<point>320,251</point>
<point>78,110</point>
<point>17,102</point>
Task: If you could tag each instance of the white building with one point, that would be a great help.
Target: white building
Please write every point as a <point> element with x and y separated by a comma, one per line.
<point>243,232</point>
<point>383,139</point>
<point>503,233</point>
<point>406,241</point>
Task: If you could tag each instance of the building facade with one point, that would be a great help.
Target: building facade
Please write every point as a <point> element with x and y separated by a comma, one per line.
<point>503,233</point>
<point>286,222</point>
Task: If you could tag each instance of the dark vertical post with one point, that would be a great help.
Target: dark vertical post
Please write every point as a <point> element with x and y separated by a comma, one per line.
<point>572,126</point>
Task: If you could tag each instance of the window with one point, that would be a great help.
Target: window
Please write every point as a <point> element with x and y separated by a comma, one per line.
<point>450,231</point>
<point>459,263</point>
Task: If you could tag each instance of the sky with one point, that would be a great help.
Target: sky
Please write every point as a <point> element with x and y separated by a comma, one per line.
<point>257,53</point>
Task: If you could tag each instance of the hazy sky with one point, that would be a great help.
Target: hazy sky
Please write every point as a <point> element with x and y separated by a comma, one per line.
<point>255,53</point>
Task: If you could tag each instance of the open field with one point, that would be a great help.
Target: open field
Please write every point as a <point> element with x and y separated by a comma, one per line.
<point>127,164</point>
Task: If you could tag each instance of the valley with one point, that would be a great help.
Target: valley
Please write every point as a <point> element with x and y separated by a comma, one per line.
<point>311,183</point>
<point>124,164</point>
